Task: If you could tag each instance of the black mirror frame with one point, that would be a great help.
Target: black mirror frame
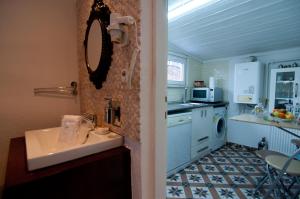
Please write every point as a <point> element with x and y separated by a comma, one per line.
<point>101,13</point>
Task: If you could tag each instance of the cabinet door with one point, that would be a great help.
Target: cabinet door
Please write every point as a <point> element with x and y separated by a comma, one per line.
<point>201,124</point>
<point>197,117</point>
<point>283,88</point>
<point>208,125</point>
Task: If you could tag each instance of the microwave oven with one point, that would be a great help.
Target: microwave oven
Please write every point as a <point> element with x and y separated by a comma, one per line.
<point>207,94</point>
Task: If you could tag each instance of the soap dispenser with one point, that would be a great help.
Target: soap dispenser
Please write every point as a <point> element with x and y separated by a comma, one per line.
<point>108,111</point>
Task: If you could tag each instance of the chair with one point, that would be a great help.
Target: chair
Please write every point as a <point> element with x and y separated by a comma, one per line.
<point>283,165</point>
<point>262,154</point>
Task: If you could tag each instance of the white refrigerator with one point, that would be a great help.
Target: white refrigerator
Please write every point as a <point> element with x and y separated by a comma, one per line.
<point>284,89</point>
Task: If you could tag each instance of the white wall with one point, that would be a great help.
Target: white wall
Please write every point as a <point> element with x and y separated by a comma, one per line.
<point>240,132</point>
<point>193,73</point>
<point>38,48</point>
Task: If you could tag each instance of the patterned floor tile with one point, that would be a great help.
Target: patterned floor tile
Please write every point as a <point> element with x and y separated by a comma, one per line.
<point>262,168</point>
<point>216,153</point>
<point>217,179</point>
<point>249,193</point>
<point>256,161</point>
<point>175,192</point>
<point>231,172</point>
<point>221,160</point>
<point>192,167</point>
<point>295,191</point>
<point>287,180</point>
<point>231,154</point>
<point>204,160</point>
<point>239,180</point>
<point>247,154</point>
<point>210,168</point>
<point>238,160</point>
<point>226,193</point>
<point>174,178</point>
<point>201,193</point>
<point>238,147</point>
<point>257,179</point>
<point>228,168</point>
<point>249,169</point>
<point>195,178</point>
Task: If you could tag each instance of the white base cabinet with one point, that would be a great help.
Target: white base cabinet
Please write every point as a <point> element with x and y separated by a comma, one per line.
<point>201,131</point>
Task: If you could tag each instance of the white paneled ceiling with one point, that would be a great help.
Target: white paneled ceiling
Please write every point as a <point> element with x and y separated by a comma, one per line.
<point>236,27</point>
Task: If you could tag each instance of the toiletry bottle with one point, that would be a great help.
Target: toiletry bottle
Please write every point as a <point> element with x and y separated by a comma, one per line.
<point>263,144</point>
<point>108,111</point>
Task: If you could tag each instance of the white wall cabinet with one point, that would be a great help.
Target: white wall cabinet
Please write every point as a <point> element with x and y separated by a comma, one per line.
<point>201,131</point>
<point>284,89</point>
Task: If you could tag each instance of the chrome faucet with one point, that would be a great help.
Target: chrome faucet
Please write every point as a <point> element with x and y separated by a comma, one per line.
<point>90,118</point>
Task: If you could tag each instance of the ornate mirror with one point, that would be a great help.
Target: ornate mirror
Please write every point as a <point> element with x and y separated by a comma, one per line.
<point>97,44</point>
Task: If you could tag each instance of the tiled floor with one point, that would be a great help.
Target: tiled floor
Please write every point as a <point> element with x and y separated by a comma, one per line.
<point>228,173</point>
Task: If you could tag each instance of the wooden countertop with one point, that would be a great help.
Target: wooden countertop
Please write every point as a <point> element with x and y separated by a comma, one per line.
<point>253,119</point>
<point>17,172</point>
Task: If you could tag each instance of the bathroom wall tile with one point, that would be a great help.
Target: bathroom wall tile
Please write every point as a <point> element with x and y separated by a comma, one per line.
<point>92,100</point>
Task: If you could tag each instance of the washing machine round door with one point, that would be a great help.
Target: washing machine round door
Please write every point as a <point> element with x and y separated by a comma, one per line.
<point>220,127</point>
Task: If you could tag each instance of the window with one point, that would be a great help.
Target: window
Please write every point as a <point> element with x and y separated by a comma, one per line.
<point>176,70</point>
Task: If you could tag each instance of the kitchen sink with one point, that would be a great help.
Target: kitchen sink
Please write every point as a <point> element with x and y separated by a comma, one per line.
<point>43,148</point>
<point>193,104</point>
<point>186,104</point>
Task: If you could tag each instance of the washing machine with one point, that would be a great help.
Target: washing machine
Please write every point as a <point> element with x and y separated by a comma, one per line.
<point>218,137</point>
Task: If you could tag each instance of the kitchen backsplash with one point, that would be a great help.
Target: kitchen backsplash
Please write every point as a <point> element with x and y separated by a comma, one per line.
<point>176,94</point>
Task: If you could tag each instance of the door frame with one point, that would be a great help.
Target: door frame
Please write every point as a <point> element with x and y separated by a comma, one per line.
<point>153,110</point>
<point>160,56</point>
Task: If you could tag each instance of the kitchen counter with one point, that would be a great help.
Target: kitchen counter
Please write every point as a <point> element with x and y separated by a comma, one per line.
<point>186,107</point>
<point>253,119</point>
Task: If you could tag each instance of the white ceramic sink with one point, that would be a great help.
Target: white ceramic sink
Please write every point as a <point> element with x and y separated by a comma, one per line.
<point>43,149</point>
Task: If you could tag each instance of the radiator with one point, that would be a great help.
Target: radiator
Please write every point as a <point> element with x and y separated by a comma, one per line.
<point>281,141</point>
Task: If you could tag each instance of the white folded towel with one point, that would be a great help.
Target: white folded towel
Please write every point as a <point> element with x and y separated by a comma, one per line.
<point>75,118</point>
<point>70,126</point>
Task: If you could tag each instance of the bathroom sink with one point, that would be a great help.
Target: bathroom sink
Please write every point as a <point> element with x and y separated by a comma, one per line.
<point>43,148</point>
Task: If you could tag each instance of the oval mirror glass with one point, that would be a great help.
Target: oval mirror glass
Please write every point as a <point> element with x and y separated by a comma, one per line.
<point>94,45</point>
<point>98,48</point>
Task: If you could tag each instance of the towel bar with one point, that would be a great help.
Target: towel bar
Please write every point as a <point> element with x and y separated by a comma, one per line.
<point>61,90</point>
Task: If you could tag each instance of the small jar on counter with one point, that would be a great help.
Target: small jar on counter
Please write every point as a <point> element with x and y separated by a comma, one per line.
<point>258,110</point>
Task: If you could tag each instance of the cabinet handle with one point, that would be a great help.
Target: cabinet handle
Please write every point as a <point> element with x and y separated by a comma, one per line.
<point>296,90</point>
<point>180,120</point>
<point>204,148</point>
<point>204,138</point>
<point>201,113</point>
<point>205,112</point>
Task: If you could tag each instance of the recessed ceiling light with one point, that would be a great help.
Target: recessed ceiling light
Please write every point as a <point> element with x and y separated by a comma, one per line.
<point>187,7</point>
